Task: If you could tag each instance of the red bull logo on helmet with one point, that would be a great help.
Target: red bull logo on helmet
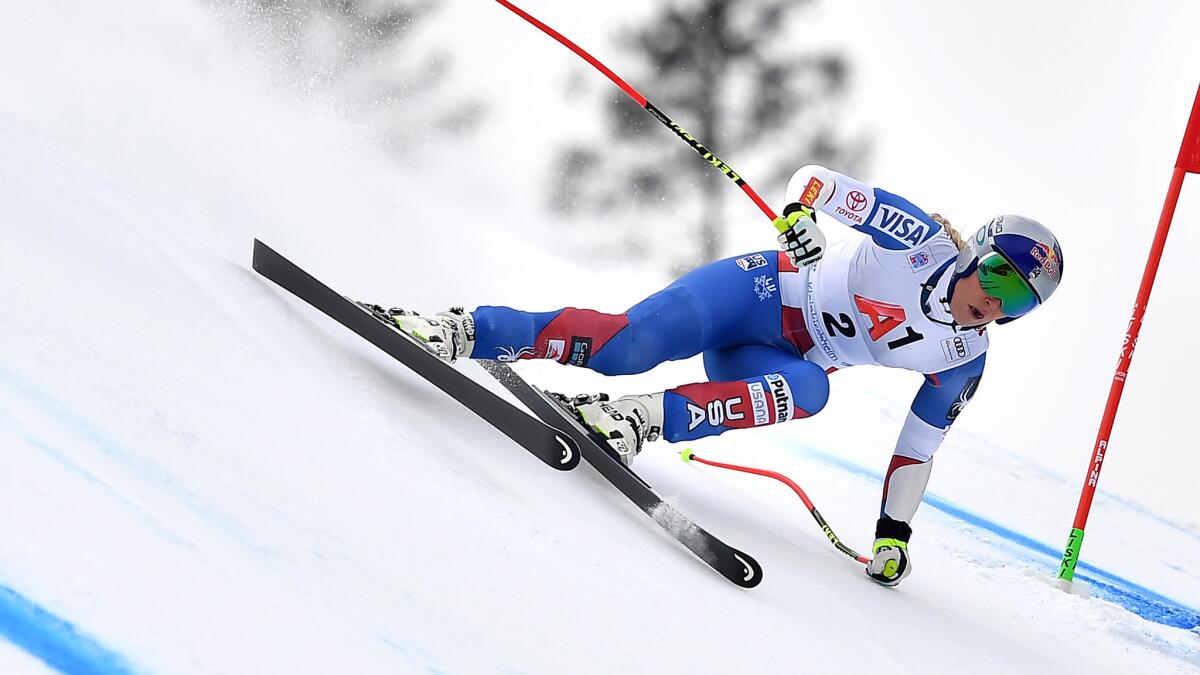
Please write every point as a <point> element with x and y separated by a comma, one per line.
<point>1047,258</point>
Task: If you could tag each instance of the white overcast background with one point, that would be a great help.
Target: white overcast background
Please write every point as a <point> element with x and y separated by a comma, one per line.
<point>1071,113</point>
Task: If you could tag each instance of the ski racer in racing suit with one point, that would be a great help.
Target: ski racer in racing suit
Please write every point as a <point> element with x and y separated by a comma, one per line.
<point>771,326</point>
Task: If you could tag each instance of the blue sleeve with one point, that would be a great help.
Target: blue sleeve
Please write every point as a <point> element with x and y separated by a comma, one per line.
<point>944,395</point>
<point>892,222</point>
<point>896,224</point>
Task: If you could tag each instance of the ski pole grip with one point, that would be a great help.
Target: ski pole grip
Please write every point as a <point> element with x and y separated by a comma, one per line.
<point>782,223</point>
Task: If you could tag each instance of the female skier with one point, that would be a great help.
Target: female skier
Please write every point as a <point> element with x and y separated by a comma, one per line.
<point>772,325</point>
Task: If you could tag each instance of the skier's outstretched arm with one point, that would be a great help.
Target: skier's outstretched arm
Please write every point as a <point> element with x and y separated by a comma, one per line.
<point>893,222</point>
<point>937,404</point>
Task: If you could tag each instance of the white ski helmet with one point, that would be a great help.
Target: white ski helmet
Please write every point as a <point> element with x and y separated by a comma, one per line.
<point>1018,260</point>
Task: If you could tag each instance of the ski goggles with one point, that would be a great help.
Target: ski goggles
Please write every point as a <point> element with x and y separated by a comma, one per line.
<point>1004,282</point>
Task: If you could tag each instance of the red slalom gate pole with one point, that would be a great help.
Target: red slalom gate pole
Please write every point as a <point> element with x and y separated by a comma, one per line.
<point>688,456</point>
<point>1188,162</point>
<point>650,108</point>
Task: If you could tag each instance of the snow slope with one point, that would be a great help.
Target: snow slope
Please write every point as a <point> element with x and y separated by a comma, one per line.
<point>202,475</point>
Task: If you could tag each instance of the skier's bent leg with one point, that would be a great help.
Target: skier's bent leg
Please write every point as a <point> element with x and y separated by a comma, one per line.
<point>791,388</point>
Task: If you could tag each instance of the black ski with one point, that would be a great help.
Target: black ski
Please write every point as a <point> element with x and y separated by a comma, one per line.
<point>731,563</point>
<point>546,443</point>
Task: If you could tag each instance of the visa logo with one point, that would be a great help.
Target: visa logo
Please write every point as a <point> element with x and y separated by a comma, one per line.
<point>903,226</point>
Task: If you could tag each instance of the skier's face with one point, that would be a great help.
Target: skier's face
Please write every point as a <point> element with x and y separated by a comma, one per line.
<point>971,306</point>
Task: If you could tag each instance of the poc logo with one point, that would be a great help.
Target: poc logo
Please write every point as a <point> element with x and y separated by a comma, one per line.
<point>955,349</point>
<point>715,413</point>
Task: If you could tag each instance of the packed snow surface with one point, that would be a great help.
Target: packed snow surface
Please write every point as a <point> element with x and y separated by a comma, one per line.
<point>201,474</point>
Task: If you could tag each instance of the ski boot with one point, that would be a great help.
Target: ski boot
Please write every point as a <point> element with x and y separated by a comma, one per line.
<point>624,425</point>
<point>449,335</point>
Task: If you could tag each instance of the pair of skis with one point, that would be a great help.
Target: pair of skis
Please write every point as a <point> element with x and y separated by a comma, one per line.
<point>553,436</point>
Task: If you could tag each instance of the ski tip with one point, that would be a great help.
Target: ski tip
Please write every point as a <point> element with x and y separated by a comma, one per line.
<point>570,453</point>
<point>751,571</point>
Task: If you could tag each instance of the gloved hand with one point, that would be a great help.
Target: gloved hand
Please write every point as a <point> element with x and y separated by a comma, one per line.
<point>890,564</point>
<point>799,235</point>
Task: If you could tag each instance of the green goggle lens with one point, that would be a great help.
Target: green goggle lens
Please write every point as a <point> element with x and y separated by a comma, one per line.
<point>1001,280</point>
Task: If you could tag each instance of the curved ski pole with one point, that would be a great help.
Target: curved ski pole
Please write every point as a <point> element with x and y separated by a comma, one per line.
<point>696,145</point>
<point>687,455</point>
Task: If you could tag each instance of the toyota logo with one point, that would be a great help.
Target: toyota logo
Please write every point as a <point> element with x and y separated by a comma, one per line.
<point>856,201</point>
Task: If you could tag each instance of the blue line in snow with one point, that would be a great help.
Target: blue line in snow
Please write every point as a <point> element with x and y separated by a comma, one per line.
<point>1132,596</point>
<point>53,641</point>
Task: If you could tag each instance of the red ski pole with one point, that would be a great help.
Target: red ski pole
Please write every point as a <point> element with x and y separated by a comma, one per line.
<point>1188,162</point>
<point>650,108</point>
<point>688,456</point>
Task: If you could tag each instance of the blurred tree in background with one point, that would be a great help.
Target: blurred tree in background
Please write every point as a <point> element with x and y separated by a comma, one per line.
<point>738,76</point>
<point>364,56</point>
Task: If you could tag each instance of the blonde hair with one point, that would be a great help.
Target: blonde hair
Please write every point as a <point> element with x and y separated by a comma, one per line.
<point>954,234</point>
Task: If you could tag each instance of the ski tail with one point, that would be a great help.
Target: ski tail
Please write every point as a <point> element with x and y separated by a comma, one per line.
<point>737,566</point>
